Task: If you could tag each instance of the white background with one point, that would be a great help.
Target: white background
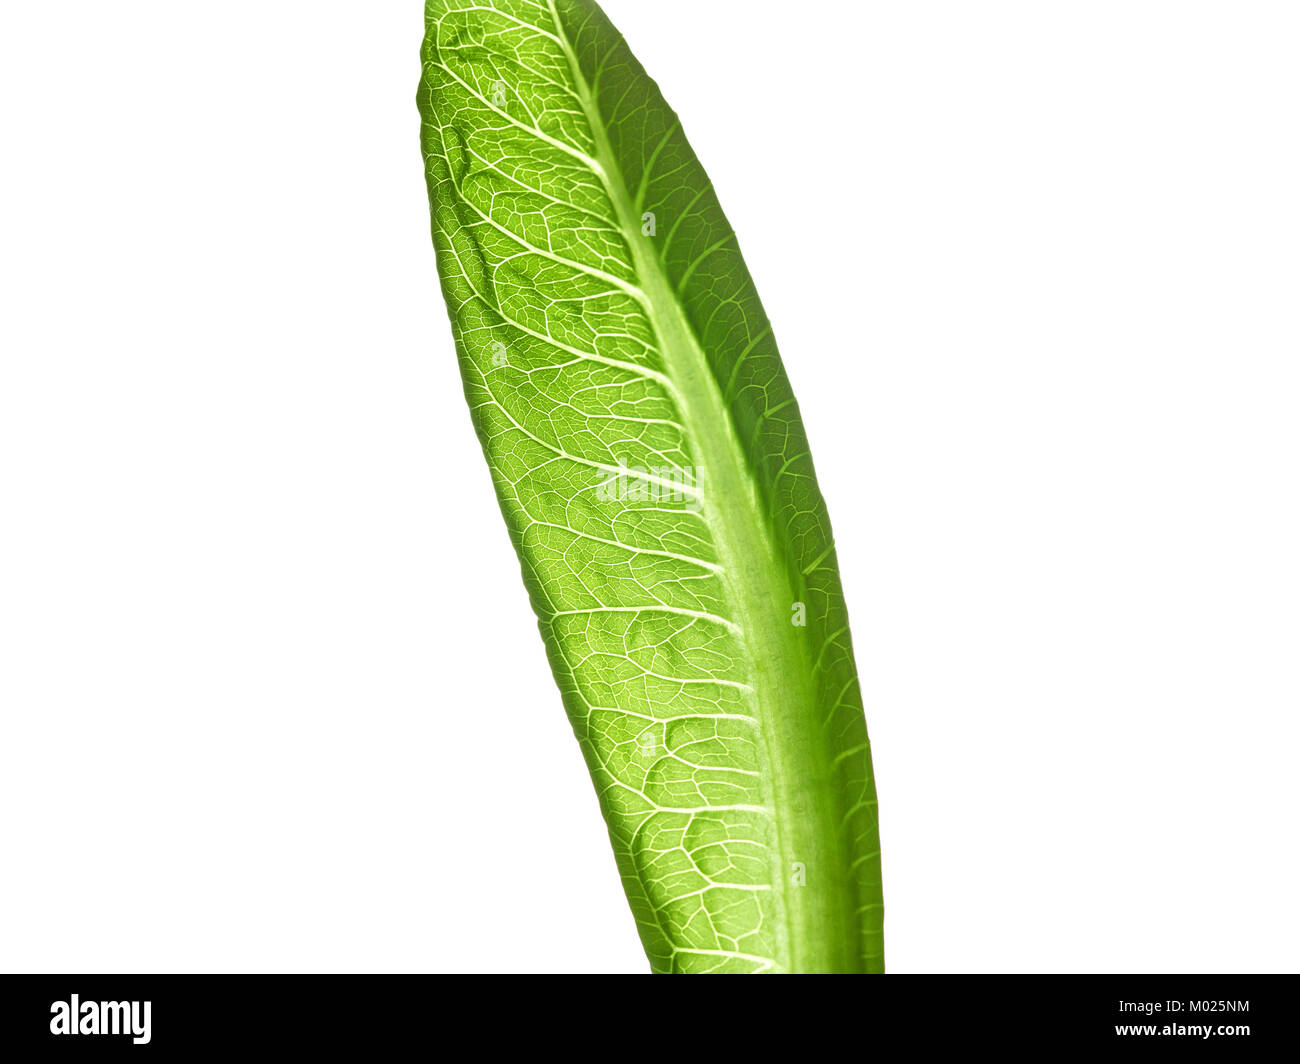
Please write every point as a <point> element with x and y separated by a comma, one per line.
<point>271,696</point>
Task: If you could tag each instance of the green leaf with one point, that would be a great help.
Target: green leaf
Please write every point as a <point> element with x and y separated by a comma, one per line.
<point>654,474</point>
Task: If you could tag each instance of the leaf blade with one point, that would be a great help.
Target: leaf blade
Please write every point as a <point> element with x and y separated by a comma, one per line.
<point>726,741</point>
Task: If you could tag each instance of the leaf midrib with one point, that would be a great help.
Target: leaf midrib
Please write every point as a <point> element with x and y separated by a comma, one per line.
<point>816,928</point>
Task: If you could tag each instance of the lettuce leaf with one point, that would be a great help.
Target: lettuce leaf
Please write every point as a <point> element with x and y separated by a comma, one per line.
<point>652,468</point>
